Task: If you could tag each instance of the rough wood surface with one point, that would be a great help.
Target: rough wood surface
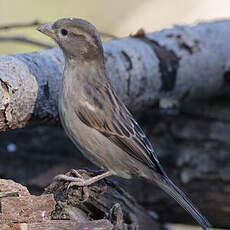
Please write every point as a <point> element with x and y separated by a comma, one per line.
<point>164,68</point>
<point>18,206</point>
<point>106,200</point>
<point>26,208</point>
<point>60,225</point>
<point>11,188</point>
<point>114,209</point>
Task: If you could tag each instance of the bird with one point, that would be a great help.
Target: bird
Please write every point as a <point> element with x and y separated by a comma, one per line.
<point>97,121</point>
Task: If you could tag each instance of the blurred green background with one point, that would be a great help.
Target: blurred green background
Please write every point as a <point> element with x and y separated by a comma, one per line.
<point>115,17</point>
<point>119,18</point>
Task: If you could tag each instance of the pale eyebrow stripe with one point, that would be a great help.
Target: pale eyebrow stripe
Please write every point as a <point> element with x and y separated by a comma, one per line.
<point>87,36</point>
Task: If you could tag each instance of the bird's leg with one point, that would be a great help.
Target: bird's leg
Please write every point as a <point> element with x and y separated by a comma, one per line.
<point>95,172</point>
<point>79,180</point>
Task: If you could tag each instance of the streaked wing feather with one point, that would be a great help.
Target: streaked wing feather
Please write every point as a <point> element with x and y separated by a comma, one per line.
<point>115,122</point>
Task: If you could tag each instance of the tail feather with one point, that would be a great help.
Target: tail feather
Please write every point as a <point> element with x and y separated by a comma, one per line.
<point>170,188</point>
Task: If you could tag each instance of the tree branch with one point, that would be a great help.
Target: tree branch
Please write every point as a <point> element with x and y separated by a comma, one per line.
<point>37,23</point>
<point>166,68</point>
<point>24,40</point>
<point>20,25</point>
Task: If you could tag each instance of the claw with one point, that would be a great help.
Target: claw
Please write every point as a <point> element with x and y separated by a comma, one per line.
<point>78,180</point>
<point>85,193</point>
<point>77,173</point>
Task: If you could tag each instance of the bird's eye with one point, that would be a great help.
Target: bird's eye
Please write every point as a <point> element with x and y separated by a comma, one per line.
<point>64,32</point>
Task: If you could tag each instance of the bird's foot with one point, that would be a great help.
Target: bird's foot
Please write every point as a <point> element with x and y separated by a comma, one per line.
<point>76,179</point>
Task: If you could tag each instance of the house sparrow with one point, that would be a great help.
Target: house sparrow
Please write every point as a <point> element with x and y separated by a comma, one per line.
<point>97,121</point>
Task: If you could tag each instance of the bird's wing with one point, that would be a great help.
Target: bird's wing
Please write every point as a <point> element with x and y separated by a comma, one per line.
<point>103,111</point>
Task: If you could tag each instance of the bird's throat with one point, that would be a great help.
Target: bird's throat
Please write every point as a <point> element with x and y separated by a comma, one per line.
<point>85,71</point>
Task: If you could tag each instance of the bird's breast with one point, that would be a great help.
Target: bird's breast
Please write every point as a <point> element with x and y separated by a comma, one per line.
<point>94,145</point>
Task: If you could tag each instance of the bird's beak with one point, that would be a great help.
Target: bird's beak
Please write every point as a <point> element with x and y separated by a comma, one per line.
<point>48,30</point>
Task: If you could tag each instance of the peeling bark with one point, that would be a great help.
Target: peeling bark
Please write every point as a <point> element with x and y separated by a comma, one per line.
<point>20,210</point>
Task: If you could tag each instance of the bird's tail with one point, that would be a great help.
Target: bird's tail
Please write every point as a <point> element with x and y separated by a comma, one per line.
<point>170,188</point>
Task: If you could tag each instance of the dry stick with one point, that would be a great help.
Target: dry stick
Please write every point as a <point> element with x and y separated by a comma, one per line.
<point>21,38</point>
<point>20,25</point>
<point>24,40</point>
<point>37,23</point>
<point>27,40</point>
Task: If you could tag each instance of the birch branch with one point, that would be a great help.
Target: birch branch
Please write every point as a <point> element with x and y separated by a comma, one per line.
<point>165,68</point>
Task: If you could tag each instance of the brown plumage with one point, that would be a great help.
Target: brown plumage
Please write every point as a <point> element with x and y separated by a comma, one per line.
<point>95,118</point>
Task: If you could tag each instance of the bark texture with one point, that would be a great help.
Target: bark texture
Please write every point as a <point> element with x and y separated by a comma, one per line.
<point>165,68</point>
<point>20,210</point>
<point>106,200</point>
<point>176,82</point>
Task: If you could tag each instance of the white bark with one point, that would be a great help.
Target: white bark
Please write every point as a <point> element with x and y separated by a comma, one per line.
<point>165,68</point>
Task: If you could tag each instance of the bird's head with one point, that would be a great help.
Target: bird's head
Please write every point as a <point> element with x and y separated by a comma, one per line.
<point>77,38</point>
